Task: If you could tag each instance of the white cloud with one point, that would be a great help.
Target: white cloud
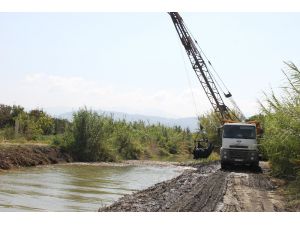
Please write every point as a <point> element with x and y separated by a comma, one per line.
<point>74,92</point>
<point>33,77</point>
<point>52,91</point>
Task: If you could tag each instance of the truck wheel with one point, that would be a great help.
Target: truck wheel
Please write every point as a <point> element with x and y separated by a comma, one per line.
<point>255,166</point>
<point>224,166</point>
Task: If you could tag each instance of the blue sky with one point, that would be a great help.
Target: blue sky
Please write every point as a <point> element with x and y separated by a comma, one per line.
<point>134,62</point>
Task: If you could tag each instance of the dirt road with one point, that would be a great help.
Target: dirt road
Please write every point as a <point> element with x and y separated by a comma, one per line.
<point>207,188</point>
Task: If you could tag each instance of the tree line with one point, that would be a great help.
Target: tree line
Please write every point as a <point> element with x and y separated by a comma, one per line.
<point>96,137</point>
<point>91,136</point>
<point>15,122</point>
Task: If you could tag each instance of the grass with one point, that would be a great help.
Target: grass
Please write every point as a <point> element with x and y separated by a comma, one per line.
<point>42,139</point>
<point>212,158</point>
<point>292,192</point>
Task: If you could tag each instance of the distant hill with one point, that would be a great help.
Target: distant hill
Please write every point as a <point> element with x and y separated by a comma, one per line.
<point>186,122</point>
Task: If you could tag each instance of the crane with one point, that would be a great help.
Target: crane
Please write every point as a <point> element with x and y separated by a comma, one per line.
<point>238,135</point>
<point>203,73</point>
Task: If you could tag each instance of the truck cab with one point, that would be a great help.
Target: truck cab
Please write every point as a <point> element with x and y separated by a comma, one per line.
<point>239,145</point>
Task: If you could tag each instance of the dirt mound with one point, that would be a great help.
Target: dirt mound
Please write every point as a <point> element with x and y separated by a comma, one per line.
<point>14,155</point>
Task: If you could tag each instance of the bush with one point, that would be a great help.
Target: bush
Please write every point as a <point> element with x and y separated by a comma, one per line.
<point>210,123</point>
<point>9,133</point>
<point>125,145</point>
<point>89,137</point>
<point>94,137</point>
<point>28,127</point>
<point>281,140</point>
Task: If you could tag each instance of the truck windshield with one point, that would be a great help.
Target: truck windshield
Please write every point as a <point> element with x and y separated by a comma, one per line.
<point>239,131</point>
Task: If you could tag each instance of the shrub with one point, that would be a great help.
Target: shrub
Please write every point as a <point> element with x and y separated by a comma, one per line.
<point>94,137</point>
<point>281,140</point>
<point>88,137</point>
<point>9,133</point>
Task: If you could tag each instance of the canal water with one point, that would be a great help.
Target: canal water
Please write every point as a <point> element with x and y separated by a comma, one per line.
<point>75,187</point>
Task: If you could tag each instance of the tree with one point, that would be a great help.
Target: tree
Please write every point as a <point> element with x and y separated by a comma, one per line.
<point>60,125</point>
<point>89,137</point>
<point>16,110</point>
<point>5,116</point>
<point>28,127</point>
<point>43,121</point>
<point>46,124</point>
<point>210,124</point>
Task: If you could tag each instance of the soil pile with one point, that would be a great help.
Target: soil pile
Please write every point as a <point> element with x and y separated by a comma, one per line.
<point>14,155</point>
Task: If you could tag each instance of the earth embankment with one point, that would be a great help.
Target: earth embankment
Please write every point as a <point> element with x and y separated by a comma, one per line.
<point>25,155</point>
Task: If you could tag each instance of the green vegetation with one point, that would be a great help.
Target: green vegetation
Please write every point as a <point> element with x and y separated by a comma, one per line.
<point>210,124</point>
<point>281,121</point>
<point>17,125</point>
<point>95,137</point>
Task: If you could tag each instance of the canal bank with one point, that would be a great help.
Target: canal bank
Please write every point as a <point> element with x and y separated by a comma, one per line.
<point>25,155</point>
<point>28,155</point>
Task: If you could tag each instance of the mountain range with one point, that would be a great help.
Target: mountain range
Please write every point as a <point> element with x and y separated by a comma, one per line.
<point>185,122</point>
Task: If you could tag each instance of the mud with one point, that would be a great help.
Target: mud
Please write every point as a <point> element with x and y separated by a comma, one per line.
<point>206,188</point>
<point>25,155</point>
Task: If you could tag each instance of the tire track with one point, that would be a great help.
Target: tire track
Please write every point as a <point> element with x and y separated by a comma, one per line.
<point>206,188</point>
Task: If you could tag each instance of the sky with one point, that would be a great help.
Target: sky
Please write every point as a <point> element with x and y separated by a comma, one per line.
<point>134,62</point>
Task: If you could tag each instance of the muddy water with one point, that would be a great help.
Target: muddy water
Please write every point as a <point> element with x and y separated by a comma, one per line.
<point>75,187</point>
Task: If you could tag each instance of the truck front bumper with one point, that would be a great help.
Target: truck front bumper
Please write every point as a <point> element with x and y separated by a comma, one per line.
<point>239,156</point>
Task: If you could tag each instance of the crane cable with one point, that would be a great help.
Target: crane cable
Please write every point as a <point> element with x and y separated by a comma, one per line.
<point>212,67</point>
<point>210,73</point>
<point>209,64</point>
<point>189,80</point>
<point>230,97</point>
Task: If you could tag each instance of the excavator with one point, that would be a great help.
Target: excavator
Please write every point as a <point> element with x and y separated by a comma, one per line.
<point>238,137</point>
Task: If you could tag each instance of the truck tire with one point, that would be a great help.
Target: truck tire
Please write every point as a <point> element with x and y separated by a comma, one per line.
<point>255,166</point>
<point>224,166</point>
